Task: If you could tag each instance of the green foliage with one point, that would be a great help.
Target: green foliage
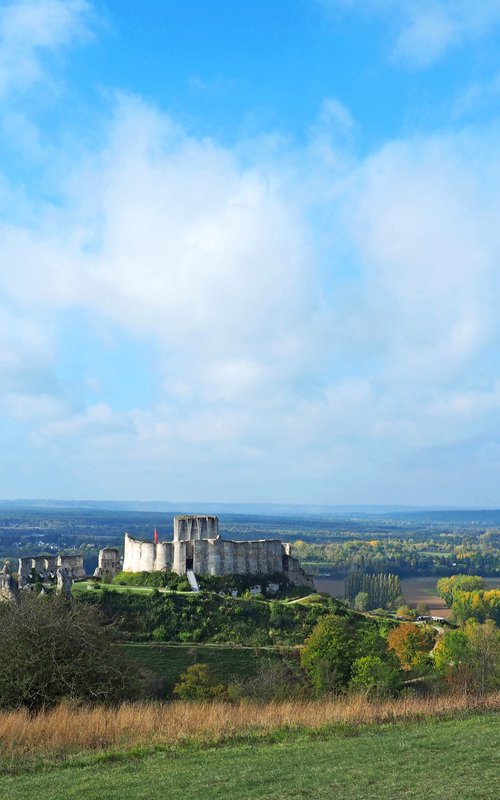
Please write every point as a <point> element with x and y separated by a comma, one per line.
<point>54,649</point>
<point>198,683</point>
<point>207,617</point>
<point>407,557</point>
<point>334,645</point>
<point>362,601</point>
<point>157,580</point>
<point>375,677</point>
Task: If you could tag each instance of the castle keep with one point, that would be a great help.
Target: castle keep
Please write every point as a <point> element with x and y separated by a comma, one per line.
<point>198,547</point>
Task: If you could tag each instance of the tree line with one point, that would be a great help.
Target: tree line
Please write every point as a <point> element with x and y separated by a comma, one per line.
<point>367,591</point>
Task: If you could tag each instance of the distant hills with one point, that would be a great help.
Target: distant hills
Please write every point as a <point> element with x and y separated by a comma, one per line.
<point>420,514</point>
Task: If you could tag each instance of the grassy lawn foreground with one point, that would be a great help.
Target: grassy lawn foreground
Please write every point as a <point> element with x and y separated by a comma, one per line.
<point>435,760</point>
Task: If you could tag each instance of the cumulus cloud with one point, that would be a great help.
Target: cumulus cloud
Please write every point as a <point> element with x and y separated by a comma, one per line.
<point>316,319</point>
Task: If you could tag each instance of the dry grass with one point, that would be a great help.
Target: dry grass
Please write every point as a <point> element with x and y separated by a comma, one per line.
<point>68,729</point>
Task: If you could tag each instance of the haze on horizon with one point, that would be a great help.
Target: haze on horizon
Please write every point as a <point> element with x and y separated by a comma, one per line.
<point>250,252</point>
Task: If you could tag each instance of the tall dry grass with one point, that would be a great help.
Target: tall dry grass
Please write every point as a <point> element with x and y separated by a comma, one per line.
<point>68,729</point>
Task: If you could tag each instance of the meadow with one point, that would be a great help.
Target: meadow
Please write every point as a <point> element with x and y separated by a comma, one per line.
<point>415,591</point>
<point>355,750</point>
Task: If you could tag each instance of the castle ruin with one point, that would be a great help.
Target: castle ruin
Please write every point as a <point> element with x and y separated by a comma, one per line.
<point>198,547</point>
<point>45,567</point>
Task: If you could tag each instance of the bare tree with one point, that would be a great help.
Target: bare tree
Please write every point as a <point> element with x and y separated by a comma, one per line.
<point>52,648</point>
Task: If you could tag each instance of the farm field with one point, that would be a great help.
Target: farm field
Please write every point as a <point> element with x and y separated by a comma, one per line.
<point>433,759</point>
<point>169,661</point>
<point>415,590</point>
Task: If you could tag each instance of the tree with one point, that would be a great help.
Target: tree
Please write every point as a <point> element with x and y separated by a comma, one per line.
<point>447,587</point>
<point>375,677</point>
<point>198,683</point>
<point>333,646</point>
<point>470,658</point>
<point>52,649</point>
<point>484,643</point>
<point>406,612</point>
<point>410,643</point>
<point>361,601</point>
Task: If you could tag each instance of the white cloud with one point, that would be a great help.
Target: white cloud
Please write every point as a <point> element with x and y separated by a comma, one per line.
<point>278,364</point>
<point>31,28</point>
<point>427,29</point>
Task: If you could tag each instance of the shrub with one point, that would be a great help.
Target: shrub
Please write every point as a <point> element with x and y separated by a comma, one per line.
<point>198,683</point>
<point>375,677</point>
<point>276,680</point>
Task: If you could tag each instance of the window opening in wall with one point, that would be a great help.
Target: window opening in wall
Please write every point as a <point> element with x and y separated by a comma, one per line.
<point>189,555</point>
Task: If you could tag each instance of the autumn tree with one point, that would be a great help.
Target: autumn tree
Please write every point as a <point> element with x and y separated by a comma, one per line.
<point>447,587</point>
<point>410,643</point>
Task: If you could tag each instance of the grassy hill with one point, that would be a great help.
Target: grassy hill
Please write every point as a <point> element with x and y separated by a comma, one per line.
<point>225,662</point>
<point>432,759</point>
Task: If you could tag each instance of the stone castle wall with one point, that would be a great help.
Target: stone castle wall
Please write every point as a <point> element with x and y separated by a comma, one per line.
<point>142,556</point>
<point>224,557</point>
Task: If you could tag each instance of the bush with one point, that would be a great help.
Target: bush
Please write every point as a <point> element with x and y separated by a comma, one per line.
<point>54,649</point>
<point>276,680</point>
<point>375,677</point>
<point>198,683</point>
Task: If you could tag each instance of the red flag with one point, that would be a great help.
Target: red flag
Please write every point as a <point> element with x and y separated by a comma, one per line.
<point>156,536</point>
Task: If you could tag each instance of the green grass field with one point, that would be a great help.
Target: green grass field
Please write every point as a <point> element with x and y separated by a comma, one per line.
<point>169,661</point>
<point>431,760</point>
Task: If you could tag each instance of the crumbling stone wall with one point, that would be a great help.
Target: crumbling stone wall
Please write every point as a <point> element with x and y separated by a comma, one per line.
<point>74,565</point>
<point>43,567</point>
<point>109,564</point>
<point>8,586</point>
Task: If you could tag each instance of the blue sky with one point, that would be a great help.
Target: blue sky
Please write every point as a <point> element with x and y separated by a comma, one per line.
<point>250,251</point>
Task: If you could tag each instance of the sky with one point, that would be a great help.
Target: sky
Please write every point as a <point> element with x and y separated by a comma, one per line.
<point>250,251</point>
